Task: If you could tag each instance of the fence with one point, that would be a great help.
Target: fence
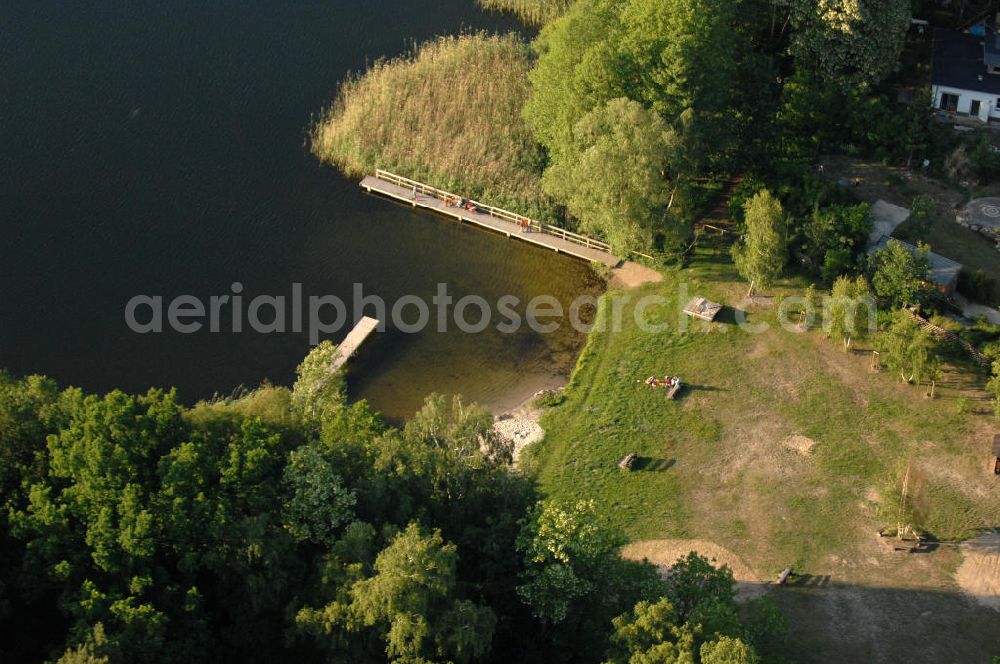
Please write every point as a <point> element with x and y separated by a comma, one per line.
<point>942,333</point>
<point>500,213</point>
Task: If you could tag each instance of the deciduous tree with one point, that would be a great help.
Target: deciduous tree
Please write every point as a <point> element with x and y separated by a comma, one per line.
<point>761,253</point>
<point>612,175</point>
<point>850,42</point>
<point>900,275</point>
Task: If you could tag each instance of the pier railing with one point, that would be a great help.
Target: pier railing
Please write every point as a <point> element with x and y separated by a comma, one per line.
<point>537,226</point>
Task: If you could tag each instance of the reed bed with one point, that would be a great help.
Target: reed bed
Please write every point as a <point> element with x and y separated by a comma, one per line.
<point>448,114</point>
<point>535,12</point>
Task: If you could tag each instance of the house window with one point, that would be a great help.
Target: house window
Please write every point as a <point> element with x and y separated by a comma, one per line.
<point>949,102</point>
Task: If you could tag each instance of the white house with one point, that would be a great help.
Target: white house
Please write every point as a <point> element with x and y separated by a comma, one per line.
<point>965,73</point>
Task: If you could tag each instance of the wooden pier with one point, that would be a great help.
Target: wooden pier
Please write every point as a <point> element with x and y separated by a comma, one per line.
<point>495,219</point>
<point>352,342</point>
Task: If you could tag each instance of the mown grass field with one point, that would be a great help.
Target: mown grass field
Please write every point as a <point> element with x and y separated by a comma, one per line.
<point>448,114</point>
<point>713,465</point>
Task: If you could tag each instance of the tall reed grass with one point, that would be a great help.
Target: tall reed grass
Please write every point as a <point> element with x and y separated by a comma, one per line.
<point>448,114</point>
<point>536,12</point>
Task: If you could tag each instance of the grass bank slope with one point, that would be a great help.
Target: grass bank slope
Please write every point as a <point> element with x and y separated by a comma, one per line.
<point>535,12</point>
<point>726,463</point>
<point>449,115</point>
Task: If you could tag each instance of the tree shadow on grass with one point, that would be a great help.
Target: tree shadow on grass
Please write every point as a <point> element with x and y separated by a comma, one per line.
<point>653,464</point>
<point>731,316</point>
<point>835,622</point>
<point>701,388</point>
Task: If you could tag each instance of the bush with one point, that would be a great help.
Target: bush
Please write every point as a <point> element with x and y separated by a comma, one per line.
<point>979,286</point>
<point>743,192</point>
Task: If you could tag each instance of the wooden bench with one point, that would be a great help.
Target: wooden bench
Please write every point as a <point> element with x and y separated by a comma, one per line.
<point>672,392</point>
<point>627,461</point>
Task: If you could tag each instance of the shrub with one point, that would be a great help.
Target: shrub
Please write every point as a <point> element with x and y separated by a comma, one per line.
<point>978,286</point>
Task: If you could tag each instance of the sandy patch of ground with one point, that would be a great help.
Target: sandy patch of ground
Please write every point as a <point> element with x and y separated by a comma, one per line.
<point>664,553</point>
<point>520,431</point>
<point>979,574</point>
<point>520,426</point>
<point>799,444</point>
<point>633,275</point>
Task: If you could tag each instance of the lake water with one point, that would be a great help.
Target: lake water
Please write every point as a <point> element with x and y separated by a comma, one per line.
<point>159,148</point>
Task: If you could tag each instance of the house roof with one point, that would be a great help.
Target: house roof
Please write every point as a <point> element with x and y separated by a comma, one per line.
<point>944,271</point>
<point>991,41</point>
<point>958,61</point>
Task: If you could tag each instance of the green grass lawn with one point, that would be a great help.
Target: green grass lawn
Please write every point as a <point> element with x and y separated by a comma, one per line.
<point>959,244</point>
<point>712,465</point>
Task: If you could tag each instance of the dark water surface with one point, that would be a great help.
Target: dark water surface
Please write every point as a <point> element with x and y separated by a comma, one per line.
<point>158,148</point>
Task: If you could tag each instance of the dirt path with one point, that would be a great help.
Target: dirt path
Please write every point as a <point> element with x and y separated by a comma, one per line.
<point>979,573</point>
<point>633,275</point>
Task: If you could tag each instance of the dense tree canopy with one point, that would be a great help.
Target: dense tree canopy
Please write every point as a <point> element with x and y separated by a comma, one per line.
<point>288,524</point>
<point>850,41</point>
<point>611,176</point>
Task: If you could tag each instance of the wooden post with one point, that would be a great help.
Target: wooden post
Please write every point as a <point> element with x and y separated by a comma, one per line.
<point>876,364</point>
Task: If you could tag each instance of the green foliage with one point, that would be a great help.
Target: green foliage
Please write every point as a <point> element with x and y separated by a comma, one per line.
<point>703,594</point>
<point>697,615</point>
<point>743,192</point>
<point>850,42</point>
<point>906,348</point>
<point>651,632</point>
<point>411,601</point>
<point>817,118</point>
<point>850,311</point>
<point>728,650</point>
<point>994,387</point>
<point>922,211</point>
<point>830,241</point>
<point>319,393</point>
<point>610,176</point>
<point>664,55</point>
<point>318,503</point>
<point>761,253</point>
<point>567,556</point>
<point>765,628</point>
<point>899,275</point>
<point>465,429</point>
<point>979,286</point>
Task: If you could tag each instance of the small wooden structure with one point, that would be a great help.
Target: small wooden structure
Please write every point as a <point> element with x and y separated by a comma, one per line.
<point>511,224</point>
<point>701,308</point>
<point>914,543</point>
<point>785,573</point>
<point>352,342</point>
<point>673,390</point>
<point>627,461</point>
<point>996,454</point>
